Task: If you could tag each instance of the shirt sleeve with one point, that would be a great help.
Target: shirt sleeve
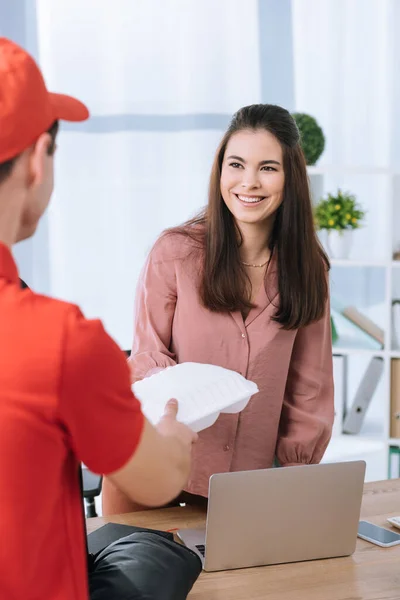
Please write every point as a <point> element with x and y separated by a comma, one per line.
<point>154,312</point>
<point>97,408</point>
<point>308,408</point>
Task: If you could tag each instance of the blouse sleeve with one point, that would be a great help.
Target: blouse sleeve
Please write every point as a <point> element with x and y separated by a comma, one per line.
<point>154,312</point>
<point>308,409</point>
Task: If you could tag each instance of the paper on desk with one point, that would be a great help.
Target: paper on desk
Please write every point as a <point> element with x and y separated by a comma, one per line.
<point>203,392</point>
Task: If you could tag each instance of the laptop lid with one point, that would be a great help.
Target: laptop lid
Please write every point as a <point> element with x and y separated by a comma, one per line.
<point>283,515</point>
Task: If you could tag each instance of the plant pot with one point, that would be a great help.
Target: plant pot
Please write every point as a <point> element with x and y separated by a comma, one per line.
<point>339,243</point>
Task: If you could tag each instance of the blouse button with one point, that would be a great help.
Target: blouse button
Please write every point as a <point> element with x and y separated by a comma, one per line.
<point>226,448</point>
<point>243,335</point>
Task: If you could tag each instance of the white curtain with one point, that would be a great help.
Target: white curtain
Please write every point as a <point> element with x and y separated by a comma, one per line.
<point>347,75</point>
<point>161,80</point>
<point>344,72</point>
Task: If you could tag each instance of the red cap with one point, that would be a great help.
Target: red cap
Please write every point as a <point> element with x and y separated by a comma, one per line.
<point>27,108</point>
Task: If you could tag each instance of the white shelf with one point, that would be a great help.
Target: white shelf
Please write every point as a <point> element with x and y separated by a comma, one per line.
<point>372,444</point>
<point>347,262</point>
<point>365,351</point>
<point>342,447</point>
<point>351,444</point>
<point>358,263</point>
<point>346,351</point>
<point>364,263</point>
<point>353,170</point>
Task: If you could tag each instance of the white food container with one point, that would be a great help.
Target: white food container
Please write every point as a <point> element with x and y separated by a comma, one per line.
<point>203,393</point>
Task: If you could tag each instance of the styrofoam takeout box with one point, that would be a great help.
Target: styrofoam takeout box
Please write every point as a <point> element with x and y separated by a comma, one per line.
<point>203,393</point>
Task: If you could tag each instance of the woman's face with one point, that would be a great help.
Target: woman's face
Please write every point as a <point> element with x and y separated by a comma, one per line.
<point>252,177</point>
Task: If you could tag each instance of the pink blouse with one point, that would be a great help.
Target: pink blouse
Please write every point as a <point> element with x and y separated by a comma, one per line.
<point>292,414</point>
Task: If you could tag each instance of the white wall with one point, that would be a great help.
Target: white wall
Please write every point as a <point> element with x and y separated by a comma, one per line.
<point>162,80</point>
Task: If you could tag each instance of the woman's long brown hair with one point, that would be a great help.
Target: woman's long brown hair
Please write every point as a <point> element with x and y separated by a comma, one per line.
<point>302,263</point>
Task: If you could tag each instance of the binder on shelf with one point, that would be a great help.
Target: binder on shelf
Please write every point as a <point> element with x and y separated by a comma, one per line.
<point>396,323</point>
<point>394,462</point>
<point>395,398</point>
<point>350,336</point>
<point>366,389</point>
<point>363,323</point>
<point>340,381</point>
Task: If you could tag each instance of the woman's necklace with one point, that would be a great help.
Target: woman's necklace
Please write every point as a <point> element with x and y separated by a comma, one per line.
<point>255,266</point>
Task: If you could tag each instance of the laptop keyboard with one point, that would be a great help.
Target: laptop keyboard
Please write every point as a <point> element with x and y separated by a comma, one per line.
<point>202,549</point>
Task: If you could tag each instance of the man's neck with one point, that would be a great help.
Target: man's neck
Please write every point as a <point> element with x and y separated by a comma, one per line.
<point>10,218</point>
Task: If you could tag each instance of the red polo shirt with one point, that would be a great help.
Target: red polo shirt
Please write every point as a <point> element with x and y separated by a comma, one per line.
<point>65,397</point>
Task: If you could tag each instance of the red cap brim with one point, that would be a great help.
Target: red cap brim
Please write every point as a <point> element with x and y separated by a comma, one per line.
<point>67,108</point>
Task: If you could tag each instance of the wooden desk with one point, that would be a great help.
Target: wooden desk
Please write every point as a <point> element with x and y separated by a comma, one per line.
<point>371,573</point>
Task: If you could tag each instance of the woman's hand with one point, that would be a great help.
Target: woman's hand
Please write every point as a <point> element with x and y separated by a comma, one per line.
<point>153,372</point>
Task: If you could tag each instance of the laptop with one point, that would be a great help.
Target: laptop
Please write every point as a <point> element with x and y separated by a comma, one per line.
<point>283,515</point>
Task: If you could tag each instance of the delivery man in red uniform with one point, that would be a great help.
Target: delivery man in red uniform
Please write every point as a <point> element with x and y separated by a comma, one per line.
<point>65,393</point>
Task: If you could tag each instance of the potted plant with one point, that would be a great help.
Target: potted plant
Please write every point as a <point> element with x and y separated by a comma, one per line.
<point>339,214</point>
<point>311,135</point>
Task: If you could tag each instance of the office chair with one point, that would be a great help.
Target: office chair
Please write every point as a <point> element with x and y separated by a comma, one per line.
<point>91,488</point>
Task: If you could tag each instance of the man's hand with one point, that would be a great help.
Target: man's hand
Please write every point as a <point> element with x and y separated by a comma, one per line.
<point>169,426</point>
<point>159,468</point>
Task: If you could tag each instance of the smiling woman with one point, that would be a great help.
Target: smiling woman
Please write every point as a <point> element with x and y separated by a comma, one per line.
<point>252,189</point>
<point>252,186</point>
<point>244,286</point>
<point>260,156</point>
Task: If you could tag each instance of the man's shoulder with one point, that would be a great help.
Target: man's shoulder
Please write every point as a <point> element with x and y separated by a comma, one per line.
<point>54,304</point>
<point>41,308</point>
<point>75,330</point>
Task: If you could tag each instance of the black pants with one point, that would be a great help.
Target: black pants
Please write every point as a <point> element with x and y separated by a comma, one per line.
<point>143,566</point>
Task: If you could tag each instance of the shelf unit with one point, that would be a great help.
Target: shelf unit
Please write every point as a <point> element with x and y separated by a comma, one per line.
<point>336,262</point>
<point>374,449</point>
<point>351,170</point>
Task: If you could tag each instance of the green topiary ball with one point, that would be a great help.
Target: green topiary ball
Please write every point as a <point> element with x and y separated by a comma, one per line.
<point>312,137</point>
